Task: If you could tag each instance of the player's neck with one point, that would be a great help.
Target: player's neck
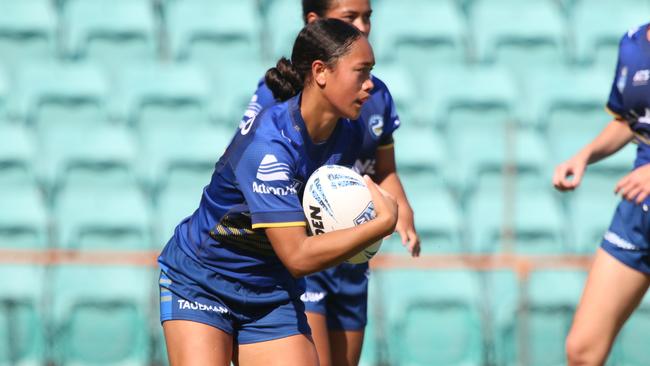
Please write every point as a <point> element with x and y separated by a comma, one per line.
<point>319,115</point>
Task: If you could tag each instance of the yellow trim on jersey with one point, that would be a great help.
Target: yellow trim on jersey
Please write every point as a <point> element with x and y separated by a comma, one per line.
<point>278,224</point>
<point>384,147</point>
<point>616,115</point>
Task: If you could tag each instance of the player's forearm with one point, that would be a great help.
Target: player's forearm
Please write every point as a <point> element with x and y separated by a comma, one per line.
<point>320,252</point>
<point>611,139</point>
<point>392,184</point>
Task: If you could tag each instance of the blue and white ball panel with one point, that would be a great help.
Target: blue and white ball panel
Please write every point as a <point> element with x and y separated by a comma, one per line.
<point>628,234</point>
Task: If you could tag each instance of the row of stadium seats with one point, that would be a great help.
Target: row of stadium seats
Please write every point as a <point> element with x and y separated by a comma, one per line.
<point>439,32</point>
<point>97,211</point>
<point>51,94</point>
<point>83,315</point>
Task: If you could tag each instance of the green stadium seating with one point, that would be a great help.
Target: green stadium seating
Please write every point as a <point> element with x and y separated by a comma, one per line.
<point>213,31</point>
<point>552,298</point>
<point>22,327</point>
<point>628,350</point>
<point>283,23</point>
<point>402,89</point>
<point>110,32</point>
<point>592,207</point>
<point>23,217</point>
<point>374,338</point>
<point>168,106</point>
<point>420,149</point>
<point>517,34</point>
<point>532,216</point>
<point>179,197</point>
<point>17,154</point>
<point>233,86</point>
<point>502,297</point>
<point>100,315</point>
<point>27,31</point>
<point>102,217</point>
<point>598,26</point>
<point>432,317</point>
<point>549,96</point>
<point>435,34</point>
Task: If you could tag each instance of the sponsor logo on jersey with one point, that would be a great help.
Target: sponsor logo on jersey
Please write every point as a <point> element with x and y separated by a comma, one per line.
<point>622,80</point>
<point>367,214</point>
<point>376,123</point>
<point>186,305</point>
<point>645,119</point>
<point>641,77</point>
<point>276,191</point>
<point>252,111</point>
<point>365,166</point>
<point>271,170</point>
<point>312,296</point>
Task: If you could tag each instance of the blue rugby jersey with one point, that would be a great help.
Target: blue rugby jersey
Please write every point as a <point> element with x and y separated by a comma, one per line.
<point>257,184</point>
<point>629,98</point>
<point>378,119</point>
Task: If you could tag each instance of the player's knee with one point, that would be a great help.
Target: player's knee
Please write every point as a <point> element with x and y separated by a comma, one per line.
<point>581,351</point>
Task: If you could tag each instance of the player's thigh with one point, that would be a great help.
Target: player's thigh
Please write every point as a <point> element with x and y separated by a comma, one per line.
<point>612,292</point>
<point>318,325</point>
<point>346,346</point>
<point>193,343</point>
<point>296,350</point>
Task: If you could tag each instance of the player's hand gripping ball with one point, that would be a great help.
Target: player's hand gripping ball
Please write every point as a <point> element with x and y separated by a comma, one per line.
<point>337,198</point>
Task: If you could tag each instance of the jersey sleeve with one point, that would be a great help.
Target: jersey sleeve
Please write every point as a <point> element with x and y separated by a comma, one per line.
<point>392,121</point>
<point>265,175</point>
<point>615,102</point>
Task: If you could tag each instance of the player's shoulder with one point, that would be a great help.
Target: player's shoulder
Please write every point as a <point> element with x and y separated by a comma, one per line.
<point>634,34</point>
<point>379,85</point>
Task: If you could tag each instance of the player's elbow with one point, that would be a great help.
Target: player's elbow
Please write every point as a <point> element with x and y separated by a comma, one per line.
<point>298,267</point>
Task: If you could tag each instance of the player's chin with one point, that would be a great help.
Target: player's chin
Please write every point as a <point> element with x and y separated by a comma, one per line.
<point>354,111</point>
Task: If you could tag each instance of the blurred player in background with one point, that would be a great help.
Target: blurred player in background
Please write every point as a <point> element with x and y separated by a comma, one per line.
<point>337,298</point>
<point>229,287</point>
<point>620,274</point>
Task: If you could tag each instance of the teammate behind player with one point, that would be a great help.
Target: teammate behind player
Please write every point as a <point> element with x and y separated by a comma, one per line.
<point>229,287</point>
<point>336,299</point>
<point>620,274</point>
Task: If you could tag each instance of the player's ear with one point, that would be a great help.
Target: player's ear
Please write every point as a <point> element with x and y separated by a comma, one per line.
<point>319,72</point>
<point>311,16</point>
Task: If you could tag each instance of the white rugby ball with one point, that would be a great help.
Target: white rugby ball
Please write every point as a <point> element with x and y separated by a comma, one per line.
<point>337,198</point>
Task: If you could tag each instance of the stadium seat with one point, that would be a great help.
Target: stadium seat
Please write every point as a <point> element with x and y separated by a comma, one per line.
<point>552,298</point>
<point>549,96</point>
<point>27,31</point>
<point>17,155</point>
<point>283,22</point>
<point>519,35</point>
<point>628,350</point>
<point>420,149</point>
<point>213,31</point>
<point>435,34</point>
<point>22,324</point>
<point>598,26</point>
<point>58,95</point>
<point>532,216</point>
<point>102,216</point>
<point>429,324</point>
<point>502,298</point>
<point>168,106</point>
<point>23,217</point>
<point>100,315</point>
<point>592,207</point>
<point>373,349</point>
<point>233,87</point>
<point>4,95</point>
<point>402,89</point>
<point>110,32</point>
<point>179,197</point>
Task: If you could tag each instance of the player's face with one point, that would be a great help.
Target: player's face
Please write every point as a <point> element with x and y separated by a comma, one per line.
<point>348,82</point>
<point>355,12</point>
